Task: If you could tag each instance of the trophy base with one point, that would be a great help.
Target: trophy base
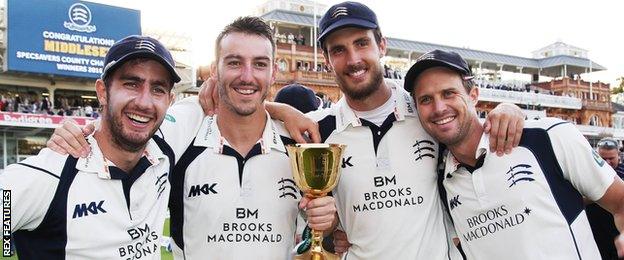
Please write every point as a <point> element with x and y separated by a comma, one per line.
<point>308,255</point>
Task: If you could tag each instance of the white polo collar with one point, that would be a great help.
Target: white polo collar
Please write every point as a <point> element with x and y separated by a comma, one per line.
<point>209,136</point>
<point>95,162</point>
<point>452,164</point>
<point>403,106</point>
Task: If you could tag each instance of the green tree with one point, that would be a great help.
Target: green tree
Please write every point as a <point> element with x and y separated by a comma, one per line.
<point>619,89</point>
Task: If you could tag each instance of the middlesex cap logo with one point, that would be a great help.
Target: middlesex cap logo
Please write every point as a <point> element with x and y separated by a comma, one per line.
<point>426,56</point>
<point>145,45</point>
<point>79,19</point>
<point>340,11</point>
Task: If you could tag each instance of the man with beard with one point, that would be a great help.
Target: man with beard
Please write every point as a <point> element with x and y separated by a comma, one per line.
<point>232,194</point>
<point>387,198</point>
<point>111,204</point>
<point>511,207</point>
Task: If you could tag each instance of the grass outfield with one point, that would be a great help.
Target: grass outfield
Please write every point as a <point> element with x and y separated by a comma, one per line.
<point>165,255</point>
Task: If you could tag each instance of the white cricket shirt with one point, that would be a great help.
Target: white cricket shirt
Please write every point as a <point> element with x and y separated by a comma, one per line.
<point>528,204</point>
<point>387,197</point>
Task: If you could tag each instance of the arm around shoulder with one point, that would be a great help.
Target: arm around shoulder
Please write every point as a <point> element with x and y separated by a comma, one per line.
<point>181,123</point>
<point>579,162</point>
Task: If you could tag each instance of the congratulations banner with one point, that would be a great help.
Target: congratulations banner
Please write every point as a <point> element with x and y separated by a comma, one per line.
<point>64,37</point>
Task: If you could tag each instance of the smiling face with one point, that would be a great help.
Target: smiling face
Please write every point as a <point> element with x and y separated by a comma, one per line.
<point>354,56</point>
<point>244,71</point>
<point>135,102</point>
<point>447,112</point>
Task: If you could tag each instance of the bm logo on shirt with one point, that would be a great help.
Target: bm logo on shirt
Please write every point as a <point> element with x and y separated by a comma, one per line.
<point>84,209</point>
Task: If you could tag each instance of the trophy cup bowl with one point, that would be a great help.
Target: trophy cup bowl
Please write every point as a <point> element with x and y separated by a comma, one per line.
<point>316,170</point>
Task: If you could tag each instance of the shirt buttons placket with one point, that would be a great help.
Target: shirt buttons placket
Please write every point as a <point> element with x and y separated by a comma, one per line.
<point>479,187</point>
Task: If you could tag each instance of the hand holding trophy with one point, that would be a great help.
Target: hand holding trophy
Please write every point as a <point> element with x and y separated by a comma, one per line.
<point>316,170</point>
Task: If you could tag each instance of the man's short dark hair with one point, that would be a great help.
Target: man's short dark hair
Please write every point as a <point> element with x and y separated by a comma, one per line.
<point>467,83</point>
<point>376,33</point>
<point>248,25</point>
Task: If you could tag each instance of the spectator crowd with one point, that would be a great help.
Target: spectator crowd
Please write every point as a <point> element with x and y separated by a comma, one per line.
<point>512,86</point>
<point>42,105</point>
<point>290,38</point>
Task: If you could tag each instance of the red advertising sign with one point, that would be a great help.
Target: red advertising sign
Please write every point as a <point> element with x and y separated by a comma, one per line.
<point>38,120</point>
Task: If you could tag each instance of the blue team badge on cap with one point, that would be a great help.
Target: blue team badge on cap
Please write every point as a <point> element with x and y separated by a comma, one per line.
<point>340,11</point>
<point>597,158</point>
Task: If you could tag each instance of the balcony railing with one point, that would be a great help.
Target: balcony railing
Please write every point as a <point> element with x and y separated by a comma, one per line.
<point>303,76</point>
<point>297,47</point>
<point>529,98</point>
<point>596,105</point>
<point>589,130</point>
<point>576,83</point>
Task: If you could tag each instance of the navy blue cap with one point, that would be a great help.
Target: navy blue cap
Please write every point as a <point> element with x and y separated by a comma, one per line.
<point>299,97</point>
<point>346,14</point>
<point>136,46</point>
<point>436,58</point>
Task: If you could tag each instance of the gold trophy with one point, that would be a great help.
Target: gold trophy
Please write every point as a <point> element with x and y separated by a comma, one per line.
<point>316,170</point>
